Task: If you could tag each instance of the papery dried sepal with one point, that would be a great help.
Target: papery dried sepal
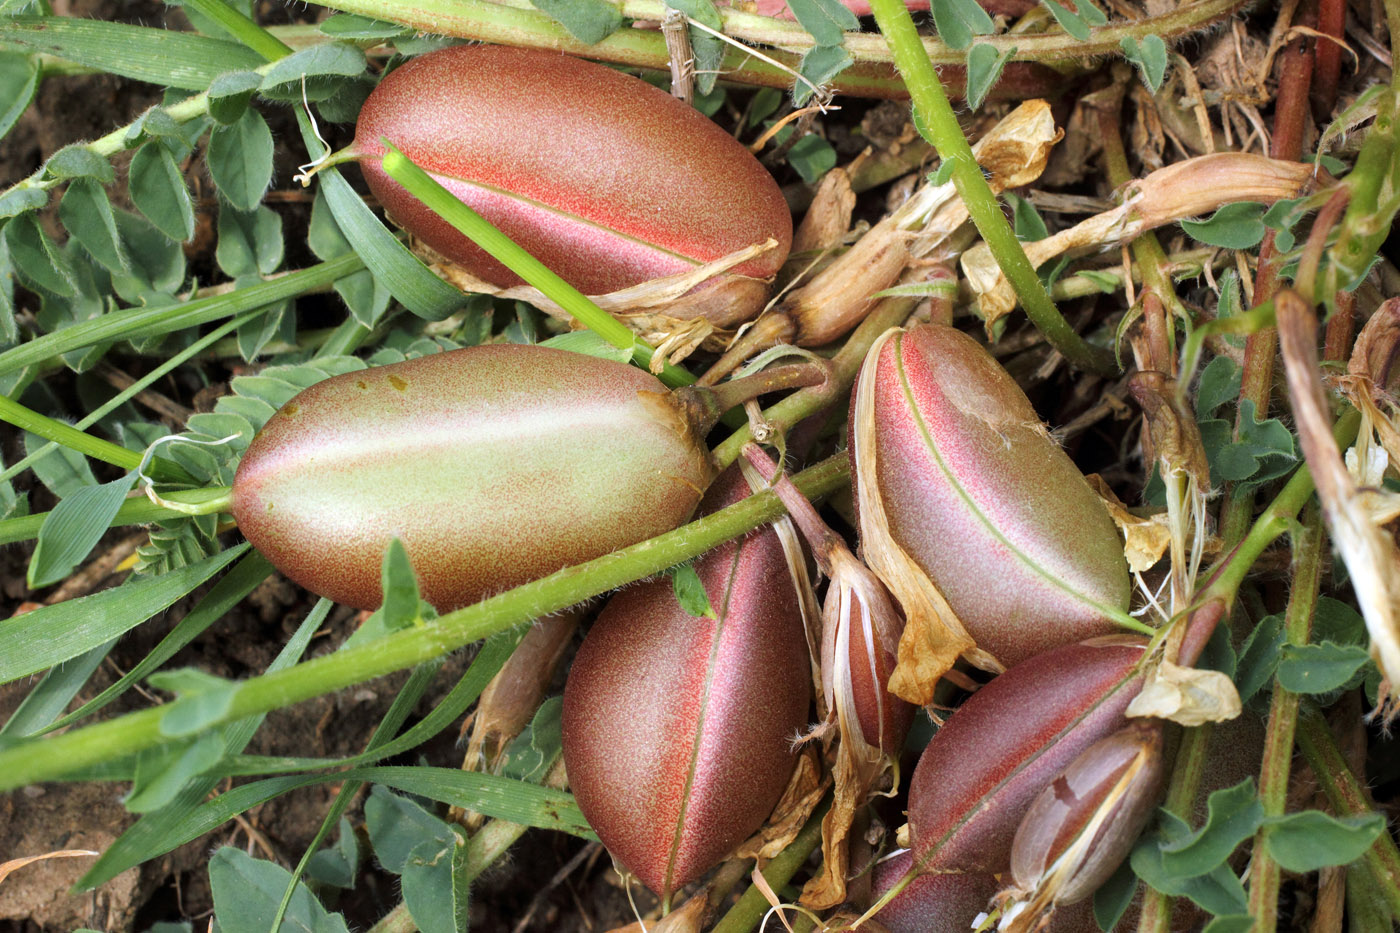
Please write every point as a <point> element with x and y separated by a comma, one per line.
<point>1083,825</point>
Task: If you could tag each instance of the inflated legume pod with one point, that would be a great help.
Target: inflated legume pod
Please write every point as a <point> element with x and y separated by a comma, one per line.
<point>494,465</point>
<point>979,495</point>
<point>607,180</point>
<point>678,730</point>
<point>982,770</point>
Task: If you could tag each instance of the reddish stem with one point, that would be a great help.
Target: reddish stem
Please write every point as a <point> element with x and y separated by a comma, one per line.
<point>1341,327</point>
<point>821,539</point>
<point>1327,58</point>
<point>1294,72</point>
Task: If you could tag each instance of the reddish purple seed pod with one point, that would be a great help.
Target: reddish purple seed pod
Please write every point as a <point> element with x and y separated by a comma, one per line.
<point>930,903</point>
<point>678,730</point>
<point>949,903</point>
<point>625,185</point>
<point>985,766</point>
<point>983,499</point>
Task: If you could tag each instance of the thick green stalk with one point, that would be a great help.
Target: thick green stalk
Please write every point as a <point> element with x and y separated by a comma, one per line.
<point>149,322</point>
<point>516,22</point>
<point>515,258</point>
<point>242,28</point>
<point>939,125</point>
<point>51,757</point>
<point>136,511</point>
<point>52,430</point>
<point>1283,721</point>
<point>1348,798</point>
<point>746,914</point>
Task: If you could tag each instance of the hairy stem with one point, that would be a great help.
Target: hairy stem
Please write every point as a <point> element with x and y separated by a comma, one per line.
<point>1348,798</point>
<point>27,762</point>
<point>939,125</point>
<point>516,22</point>
<point>1283,721</point>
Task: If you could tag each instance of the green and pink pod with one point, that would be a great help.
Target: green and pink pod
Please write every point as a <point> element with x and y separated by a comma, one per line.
<point>678,730</point>
<point>979,495</point>
<point>986,765</point>
<point>495,465</point>
<point>607,180</point>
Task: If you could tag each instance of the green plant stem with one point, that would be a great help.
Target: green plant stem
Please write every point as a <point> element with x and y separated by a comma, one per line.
<point>120,139</point>
<point>134,511</point>
<point>1283,720</point>
<point>1274,520</point>
<point>515,258</point>
<point>242,28</point>
<point>785,415</point>
<point>149,322</point>
<point>115,738</point>
<point>1348,798</point>
<point>1151,259</point>
<point>1190,763</point>
<point>752,905</point>
<point>107,407</point>
<point>939,125</point>
<point>515,22</point>
<point>27,419</point>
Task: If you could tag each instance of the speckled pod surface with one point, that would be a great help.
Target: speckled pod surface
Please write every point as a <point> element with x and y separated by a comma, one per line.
<point>982,770</point>
<point>985,501</point>
<point>494,465</point>
<point>678,730</point>
<point>607,180</point>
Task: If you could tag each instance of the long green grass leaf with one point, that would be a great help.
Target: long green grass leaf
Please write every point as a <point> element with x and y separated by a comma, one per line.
<point>49,636</point>
<point>150,322</point>
<point>161,56</point>
<point>73,528</point>
<point>47,701</point>
<point>144,839</point>
<point>227,593</point>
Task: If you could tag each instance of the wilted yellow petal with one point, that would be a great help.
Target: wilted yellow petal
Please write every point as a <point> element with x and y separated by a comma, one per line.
<point>1145,540</point>
<point>1186,695</point>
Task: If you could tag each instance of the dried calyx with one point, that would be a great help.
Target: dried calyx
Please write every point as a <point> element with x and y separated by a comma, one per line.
<point>859,639</point>
<point>1083,825</point>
